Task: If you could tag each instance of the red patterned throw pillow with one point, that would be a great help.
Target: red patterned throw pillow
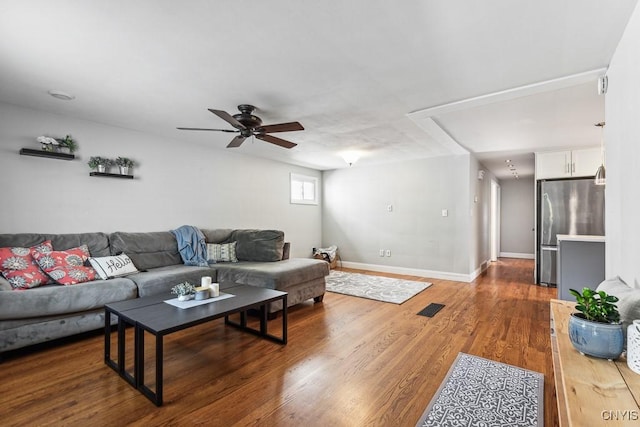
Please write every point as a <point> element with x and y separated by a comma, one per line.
<point>19,267</point>
<point>66,267</point>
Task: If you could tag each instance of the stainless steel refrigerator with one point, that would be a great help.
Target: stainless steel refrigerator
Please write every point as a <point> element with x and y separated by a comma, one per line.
<point>569,206</point>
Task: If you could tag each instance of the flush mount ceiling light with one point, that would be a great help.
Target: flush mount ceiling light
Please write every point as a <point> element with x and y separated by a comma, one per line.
<point>58,94</point>
<point>350,157</point>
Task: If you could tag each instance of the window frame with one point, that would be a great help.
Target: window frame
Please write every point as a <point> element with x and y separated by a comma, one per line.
<point>300,178</point>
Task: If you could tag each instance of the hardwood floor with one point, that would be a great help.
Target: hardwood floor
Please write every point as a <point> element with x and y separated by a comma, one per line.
<point>349,362</point>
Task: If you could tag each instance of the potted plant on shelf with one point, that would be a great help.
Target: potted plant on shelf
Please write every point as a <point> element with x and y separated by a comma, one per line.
<point>48,144</point>
<point>596,330</point>
<point>125,164</point>
<point>100,164</point>
<point>68,143</point>
<point>184,290</point>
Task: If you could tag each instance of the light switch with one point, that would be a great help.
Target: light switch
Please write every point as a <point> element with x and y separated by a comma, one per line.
<point>390,208</point>
<point>445,212</point>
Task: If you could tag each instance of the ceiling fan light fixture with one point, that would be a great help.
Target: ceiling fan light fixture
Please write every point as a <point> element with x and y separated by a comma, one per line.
<point>247,125</point>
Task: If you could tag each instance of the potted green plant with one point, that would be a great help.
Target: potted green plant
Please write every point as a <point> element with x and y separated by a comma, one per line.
<point>100,164</point>
<point>125,164</point>
<point>69,143</point>
<point>184,290</point>
<point>596,330</point>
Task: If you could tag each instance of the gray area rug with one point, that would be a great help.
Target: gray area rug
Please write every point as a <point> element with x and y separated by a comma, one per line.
<point>481,392</point>
<point>378,288</point>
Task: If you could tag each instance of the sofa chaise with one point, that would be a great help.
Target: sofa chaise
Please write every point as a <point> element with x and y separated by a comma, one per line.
<point>52,311</point>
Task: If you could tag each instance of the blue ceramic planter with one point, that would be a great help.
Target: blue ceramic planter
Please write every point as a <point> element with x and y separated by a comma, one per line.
<point>603,340</point>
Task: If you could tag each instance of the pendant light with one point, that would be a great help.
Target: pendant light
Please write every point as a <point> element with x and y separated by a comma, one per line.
<point>600,178</point>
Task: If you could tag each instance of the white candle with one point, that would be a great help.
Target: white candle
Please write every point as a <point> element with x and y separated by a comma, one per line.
<point>205,282</point>
<point>215,290</point>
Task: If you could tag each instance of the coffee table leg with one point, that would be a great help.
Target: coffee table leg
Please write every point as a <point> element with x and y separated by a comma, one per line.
<point>159,356</point>
<point>284,319</point>
<point>121,346</point>
<point>107,338</point>
<point>263,319</point>
<point>138,359</point>
<point>155,397</point>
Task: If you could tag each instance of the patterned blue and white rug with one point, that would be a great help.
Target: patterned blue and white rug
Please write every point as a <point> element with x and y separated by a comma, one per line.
<point>379,288</point>
<point>481,392</point>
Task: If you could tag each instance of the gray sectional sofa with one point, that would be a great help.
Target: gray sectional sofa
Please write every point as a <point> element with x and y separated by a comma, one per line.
<point>49,312</point>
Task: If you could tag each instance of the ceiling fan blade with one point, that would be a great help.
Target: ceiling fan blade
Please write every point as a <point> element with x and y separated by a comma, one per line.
<point>275,140</point>
<point>282,127</point>
<point>219,130</point>
<point>236,142</point>
<point>228,118</point>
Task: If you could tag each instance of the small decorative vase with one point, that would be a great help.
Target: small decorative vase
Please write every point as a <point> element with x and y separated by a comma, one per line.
<point>202,294</point>
<point>101,168</point>
<point>602,340</point>
<point>633,346</point>
<point>184,297</point>
<point>124,170</point>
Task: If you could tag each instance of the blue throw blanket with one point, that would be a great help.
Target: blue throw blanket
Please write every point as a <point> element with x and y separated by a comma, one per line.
<point>192,245</point>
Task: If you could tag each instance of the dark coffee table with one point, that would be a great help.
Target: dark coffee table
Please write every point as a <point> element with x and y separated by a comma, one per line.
<point>153,315</point>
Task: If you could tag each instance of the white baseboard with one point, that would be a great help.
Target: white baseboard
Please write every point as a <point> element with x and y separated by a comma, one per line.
<point>456,277</point>
<point>478,271</point>
<point>516,255</point>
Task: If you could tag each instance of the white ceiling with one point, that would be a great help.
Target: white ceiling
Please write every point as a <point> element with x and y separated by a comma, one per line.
<point>390,80</point>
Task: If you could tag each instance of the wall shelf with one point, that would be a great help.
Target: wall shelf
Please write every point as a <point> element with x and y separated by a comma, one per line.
<point>110,175</point>
<point>49,154</point>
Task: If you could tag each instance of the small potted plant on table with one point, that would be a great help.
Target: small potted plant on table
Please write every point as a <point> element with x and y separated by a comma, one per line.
<point>100,164</point>
<point>596,330</point>
<point>184,290</point>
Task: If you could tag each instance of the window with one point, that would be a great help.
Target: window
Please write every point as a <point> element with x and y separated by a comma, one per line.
<point>304,189</point>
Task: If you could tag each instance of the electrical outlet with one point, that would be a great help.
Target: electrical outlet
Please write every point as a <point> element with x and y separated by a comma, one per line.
<point>445,212</point>
<point>388,253</point>
<point>381,252</point>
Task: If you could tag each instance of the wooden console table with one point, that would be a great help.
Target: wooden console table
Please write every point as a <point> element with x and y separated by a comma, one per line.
<point>590,391</point>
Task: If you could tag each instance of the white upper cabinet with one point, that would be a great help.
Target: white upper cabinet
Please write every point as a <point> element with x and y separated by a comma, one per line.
<point>586,161</point>
<point>566,164</point>
<point>556,164</point>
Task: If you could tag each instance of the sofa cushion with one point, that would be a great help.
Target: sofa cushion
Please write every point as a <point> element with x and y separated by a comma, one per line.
<point>51,300</point>
<point>221,252</point>
<point>20,268</point>
<point>160,280</point>
<point>147,250</point>
<point>113,266</point>
<point>66,267</point>
<point>98,243</point>
<point>273,275</point>
<point>218,235</point>
<point>258,245</point>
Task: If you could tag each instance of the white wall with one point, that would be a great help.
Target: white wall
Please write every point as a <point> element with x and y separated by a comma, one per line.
<point>622,142</point>
<point>421,240</point>
<point>174,184</point>
<point>517,218</point>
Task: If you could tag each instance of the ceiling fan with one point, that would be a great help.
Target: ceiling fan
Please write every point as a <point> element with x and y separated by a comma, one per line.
<point>246,124</point>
